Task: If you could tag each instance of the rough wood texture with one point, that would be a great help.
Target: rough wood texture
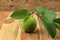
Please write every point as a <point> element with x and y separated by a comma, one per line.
<point>13,31</point>
<point>9,5</point>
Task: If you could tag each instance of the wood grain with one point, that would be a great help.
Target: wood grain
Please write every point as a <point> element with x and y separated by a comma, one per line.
<point>9,5</point>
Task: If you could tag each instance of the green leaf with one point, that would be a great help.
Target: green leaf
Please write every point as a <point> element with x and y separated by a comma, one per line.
<point>51,15</point>
<point>20,14</point>
<point>41,9</point>
<point>58,26</point>
<point>57,22</point>
<point>50,26</point>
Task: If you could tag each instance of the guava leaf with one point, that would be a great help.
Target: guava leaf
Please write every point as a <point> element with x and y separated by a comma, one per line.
<point>49,25</point>
<point>20,14</point>
<point>51,15</point>
<point>57,22</point>
<point>58,26</point>
<point>41,9</point>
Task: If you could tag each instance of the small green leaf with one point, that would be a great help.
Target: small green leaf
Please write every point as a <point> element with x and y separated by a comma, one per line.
<point>20,14</point>
<point>57,22</point>
<point>58,26</point>
<point>51,15</point>
<point>41,9</point>
<point>50,26</point>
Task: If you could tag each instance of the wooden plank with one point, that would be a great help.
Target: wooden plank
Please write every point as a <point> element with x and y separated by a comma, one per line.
<point>9,30</point>
<point>3,15</point>
<point>18,37</point>
<point>27,36</point>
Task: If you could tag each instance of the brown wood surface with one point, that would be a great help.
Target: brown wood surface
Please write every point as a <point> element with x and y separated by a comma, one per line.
<point>9,5</point>
<point>11,29</point>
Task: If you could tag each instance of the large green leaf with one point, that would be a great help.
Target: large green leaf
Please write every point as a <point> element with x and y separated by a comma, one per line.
<point>57,22</point>
<point>50,26</point>
<point>20,14</point>
<point>41,9</point>
<point>51,15</point>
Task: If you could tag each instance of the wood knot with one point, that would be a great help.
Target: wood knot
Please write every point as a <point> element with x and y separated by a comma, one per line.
<point>11,0</point>
<point>8,21</point>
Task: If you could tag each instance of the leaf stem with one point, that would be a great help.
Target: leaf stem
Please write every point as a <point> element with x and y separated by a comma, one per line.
<point>34,12</point>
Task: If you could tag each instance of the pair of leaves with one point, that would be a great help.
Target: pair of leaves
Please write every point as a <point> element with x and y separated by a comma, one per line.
<point>47,20</point>
<point>50,14</point>
<point>50,26</point>
<point>21,14</point>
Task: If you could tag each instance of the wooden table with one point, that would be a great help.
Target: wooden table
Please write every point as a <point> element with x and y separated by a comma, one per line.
<point>11,29</point>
